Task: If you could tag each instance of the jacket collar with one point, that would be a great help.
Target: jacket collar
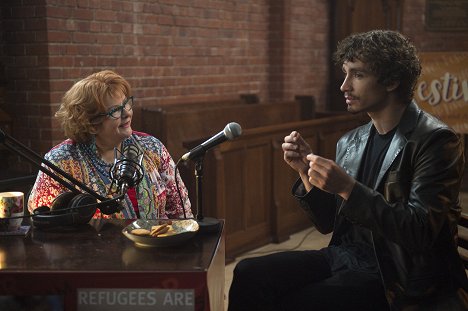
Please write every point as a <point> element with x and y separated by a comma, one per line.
<point>406,125</point>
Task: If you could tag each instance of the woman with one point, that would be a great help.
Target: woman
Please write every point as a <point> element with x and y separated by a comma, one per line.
<point>96,116</point>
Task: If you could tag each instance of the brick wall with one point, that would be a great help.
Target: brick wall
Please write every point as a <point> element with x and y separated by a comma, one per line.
<point>169,50</point>
<point>414,27</point>
<point>24,67</point>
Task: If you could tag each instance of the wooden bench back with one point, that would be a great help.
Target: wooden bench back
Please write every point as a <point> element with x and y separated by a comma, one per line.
<point>178,123</point>
<point>463,238</point>
<point>247,183</point>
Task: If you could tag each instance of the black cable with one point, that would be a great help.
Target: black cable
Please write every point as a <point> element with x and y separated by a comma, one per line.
<point>251,254</point>
<point>178,189</point>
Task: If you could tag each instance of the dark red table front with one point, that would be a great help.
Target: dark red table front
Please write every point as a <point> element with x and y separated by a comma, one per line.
<point>97,268</point>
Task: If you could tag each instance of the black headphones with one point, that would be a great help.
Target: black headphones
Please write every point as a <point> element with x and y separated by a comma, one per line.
<point>70,210</point>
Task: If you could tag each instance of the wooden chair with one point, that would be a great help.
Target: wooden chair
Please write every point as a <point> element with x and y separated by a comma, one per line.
<point>463,238</point>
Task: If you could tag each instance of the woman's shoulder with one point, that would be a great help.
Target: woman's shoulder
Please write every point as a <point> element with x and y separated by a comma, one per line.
<point>153,147</point>
<point>67,149</point>
<point>147,140</point>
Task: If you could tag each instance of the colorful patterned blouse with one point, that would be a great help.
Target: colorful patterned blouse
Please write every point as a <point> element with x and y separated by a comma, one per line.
<point>156,194</point>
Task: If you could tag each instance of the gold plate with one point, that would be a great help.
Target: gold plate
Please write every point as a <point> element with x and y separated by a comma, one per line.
<point>183,230</point>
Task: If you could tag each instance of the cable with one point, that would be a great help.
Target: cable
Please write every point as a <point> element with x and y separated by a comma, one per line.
<point>253,254</point>
<point>178,190</point>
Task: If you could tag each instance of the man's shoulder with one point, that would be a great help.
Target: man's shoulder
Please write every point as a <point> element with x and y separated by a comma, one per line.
<point>417,123</point>
<point>428,124</point>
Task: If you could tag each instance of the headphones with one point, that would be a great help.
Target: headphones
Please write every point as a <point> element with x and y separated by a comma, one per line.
<point>69,210</point>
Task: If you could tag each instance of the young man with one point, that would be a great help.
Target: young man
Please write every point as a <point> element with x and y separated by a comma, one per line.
<point>391,200</point>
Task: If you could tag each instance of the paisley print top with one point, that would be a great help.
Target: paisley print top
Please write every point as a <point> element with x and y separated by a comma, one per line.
<point>156,194</point>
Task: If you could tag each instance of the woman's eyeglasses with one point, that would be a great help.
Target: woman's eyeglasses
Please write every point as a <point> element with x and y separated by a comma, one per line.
<point>116,112</point>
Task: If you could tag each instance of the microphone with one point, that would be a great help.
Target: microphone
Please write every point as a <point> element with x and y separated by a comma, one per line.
<point>78,205</point>
<point>127,172</point>
<point>231,131</point>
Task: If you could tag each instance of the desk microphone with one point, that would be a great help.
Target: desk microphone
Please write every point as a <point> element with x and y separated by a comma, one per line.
<point>78,205</point>
<point>71,208</point>
<point>231,131</point>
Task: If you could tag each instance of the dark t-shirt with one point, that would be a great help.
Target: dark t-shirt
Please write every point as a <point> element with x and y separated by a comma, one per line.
<point>355,251</point>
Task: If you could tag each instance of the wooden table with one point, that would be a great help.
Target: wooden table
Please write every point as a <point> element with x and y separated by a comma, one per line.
<point>98,268</point>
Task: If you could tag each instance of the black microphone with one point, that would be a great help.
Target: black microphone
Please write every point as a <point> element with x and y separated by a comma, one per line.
<point>78,205</point>
<point>231,131</point>
<point>127,171</point>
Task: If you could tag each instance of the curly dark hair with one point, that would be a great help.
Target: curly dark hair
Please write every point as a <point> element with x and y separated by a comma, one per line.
<point>388,54</point>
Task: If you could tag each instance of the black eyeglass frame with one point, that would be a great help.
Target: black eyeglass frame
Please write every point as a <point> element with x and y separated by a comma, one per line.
<point>127,102</point>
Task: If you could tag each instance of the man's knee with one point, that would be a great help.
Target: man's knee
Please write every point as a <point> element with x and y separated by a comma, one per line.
<point>245,267</point>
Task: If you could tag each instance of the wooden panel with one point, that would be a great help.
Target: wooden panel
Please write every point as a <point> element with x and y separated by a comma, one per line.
<point>233,200</point>
<point>463,238</point>
<point>257,169</point>
<point>245,181</point>
<point>285,214</point>
<point>174,125</point>
<point>253,184</point>
<point>245,170</point>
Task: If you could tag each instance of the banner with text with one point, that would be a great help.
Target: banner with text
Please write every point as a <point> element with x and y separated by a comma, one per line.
<point>442,89</point>
<point>135,299</point>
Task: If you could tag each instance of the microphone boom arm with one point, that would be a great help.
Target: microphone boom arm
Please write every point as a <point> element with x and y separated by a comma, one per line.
<point>53,172</point>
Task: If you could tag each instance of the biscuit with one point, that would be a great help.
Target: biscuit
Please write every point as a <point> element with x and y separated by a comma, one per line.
<point>140,232</point>
<point>155,230</point>
<point>169,232</point>
<point>160,231</point>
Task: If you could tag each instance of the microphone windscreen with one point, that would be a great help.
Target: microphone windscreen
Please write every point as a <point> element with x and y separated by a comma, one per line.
<point>131,151</point>
<point>232,130</point>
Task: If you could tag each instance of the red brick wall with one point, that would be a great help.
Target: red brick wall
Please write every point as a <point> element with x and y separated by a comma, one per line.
<point>24,65</point>
<point>172,52</point>
<point>169,52</point>
<point>307,49</point>
<point>414,27</point>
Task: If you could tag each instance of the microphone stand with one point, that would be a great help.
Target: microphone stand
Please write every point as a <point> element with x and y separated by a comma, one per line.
<point>207,224</point>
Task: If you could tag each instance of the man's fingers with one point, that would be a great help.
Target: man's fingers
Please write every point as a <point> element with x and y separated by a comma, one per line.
<point>319,167</point>
<point>290,139</point>
<point>288,146</point>
<point>318,160</point>
<point>291,155</point>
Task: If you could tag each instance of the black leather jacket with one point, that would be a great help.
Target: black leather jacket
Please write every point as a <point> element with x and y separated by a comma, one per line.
<point>412,212</point>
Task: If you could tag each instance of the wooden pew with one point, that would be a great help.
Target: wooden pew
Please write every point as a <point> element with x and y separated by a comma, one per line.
<point>177,123</point>
<point>247,183</point>
<point>463,238</point>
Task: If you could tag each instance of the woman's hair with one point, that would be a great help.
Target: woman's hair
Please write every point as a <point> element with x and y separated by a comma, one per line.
<point>86,99</point>
<point>388,54</point>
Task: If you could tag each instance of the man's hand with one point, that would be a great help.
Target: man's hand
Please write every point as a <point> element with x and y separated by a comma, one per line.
<point>295,151</point>
<point>328,176</point>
